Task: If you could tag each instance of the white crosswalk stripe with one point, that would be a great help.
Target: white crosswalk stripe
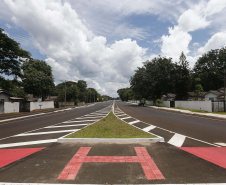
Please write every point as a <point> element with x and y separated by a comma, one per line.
<point>147,129</point>
<point>61,126</point>
<point>177,140</point>
<point>42,133</point>
<point>126,118</point>
<point>132,122</point>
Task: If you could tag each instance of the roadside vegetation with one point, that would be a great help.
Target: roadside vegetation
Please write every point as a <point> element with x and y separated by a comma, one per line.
<point>110,127</point>
<point>162,75</point>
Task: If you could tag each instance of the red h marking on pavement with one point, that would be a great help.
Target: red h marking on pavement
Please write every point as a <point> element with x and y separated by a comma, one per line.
<point>150,169</point>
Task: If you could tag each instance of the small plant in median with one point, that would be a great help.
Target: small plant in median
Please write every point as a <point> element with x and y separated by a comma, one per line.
<point>110,127</point>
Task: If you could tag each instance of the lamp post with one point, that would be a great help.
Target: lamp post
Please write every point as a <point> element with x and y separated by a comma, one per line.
<point>224,91</point>
<point>65,95</point>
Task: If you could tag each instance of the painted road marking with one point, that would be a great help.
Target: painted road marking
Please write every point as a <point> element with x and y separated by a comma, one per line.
<point>42,133</point>
<point>91,117</point>
<point>132,122</point>
<point>28,143</point>
<point>149,167</point>
<point>11,119</point>
<point>221,144</point>
<point>8,156</point>
<point>216,155</point>
<point>59,126</point>
<point>147,129</point>
<point>80,121</point>
<point>126,118</point>
<point>177,140</point>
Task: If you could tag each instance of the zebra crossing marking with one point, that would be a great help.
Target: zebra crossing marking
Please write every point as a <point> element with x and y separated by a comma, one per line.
<point>149,128</point>
<point>132,122</point>
<point>177,140</point>
<point>42,133</point>
<point>59,126</point>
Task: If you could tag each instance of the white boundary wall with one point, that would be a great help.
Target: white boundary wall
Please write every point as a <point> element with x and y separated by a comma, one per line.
<point>164,104</point>
<point>10,107</point>
<point>195,105</point>
<point>45,105</point>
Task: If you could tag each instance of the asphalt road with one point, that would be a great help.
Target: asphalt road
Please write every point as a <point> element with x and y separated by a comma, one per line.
<point>197,131</point>
<point>165,162</point>
<point>24,125</point>
<point>46,127</point>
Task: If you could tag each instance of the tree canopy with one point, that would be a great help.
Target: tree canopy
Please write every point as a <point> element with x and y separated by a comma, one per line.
<point>11,55</point>
<point>210,69</point>
<point>37,78</point>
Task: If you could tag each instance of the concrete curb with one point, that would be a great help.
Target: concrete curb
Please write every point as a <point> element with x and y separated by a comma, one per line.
<point>109,140</point>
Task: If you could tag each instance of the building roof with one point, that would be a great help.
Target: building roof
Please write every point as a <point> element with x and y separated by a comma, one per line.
<point>193,94</point>
<point>5,92</point>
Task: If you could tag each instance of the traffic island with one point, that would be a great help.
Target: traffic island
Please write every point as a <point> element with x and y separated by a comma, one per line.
<point>110,130</point>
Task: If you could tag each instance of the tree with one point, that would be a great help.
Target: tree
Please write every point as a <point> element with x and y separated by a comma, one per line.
<point>154,79</point>
<point>125,94</point>
<point>72,91</point>
<point>11,56</point>
<point>198,87</point>
<point>182,83</point>
<point>82,85</point>
<point>210,69</point>
<point>92,95</point>
<point>37,78</point>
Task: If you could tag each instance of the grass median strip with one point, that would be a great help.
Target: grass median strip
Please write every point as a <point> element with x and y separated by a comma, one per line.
<point>110,127</point>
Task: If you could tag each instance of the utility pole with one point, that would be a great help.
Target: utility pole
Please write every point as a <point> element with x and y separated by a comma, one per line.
<point>224,91</point>
<point>65,93</point>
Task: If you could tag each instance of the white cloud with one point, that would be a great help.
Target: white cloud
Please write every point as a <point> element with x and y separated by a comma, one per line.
<point>217,41</point>
<point>199,16</point>
<point>192,20</point>
<point>73,51</point>
<point>175,43</point>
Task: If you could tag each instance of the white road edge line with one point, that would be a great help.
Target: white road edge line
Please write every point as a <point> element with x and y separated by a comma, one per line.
<point>42,133</point>
<point>11,119</point>
<point>28,143</point>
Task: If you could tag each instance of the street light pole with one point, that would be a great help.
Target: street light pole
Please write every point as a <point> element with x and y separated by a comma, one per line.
<point>224,92</point>
<point>65,93</point>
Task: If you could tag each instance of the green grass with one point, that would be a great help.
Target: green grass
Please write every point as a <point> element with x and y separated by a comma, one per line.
<point>110,127</point>
<point>219,113</point>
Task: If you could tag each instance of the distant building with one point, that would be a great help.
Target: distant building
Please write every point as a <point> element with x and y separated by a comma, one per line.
<point>192,96</point>
<point>168,97</point>
<point>8,97</point>
<point>214,95</point>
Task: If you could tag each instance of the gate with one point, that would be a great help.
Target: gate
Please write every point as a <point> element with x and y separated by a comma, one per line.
<point>24,107</point>
<point>218,106</point>
<point>172,103</point>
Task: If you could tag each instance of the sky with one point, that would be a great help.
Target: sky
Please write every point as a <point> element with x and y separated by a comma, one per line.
<point>104,41</point>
